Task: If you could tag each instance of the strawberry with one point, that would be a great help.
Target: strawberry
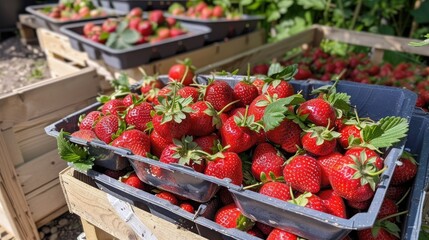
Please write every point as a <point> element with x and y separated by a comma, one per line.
<point>139,116</point>
<point>405,170</point>
<point>88,121</point>
<point>187,207</point>
<point>245,91</point>
<point>266,159</point>
<point>356,151</point>
<point>396,192</point>
<point>280,88</point>
<point>135,12</point>
<point>362,206</point>
<point>225,165</point>
<point>182,152</point>
<point>278,234</point>
<point>150,82</point>
<point>168,197</point>
<point>85,134</point>
<point>326,162</point>
<point>156,16</point>
<point>287,135</point>
<point>230,216</point>
<point>225,196</point>
<point>355,177</point>
<point>208,143</point>
<point>303,173</point>
<point>303,73</point>
<point>130,99</point>
<point>260,69</point>
<point>333,203</point>
<point>172,117</point>
<point>132,180</point>
<point>113,106</point>
<point>319,141</point>
<point>135,140</point>
<point>265,229</point>
<point>158,143</point>
<point>188,91</point>
<point>145,28</point>
<point>381,234</point>
<point>256,232</point>
<point>182,72</point>
<point>202,119</point>
<point>309,200</point>
<point>258,105</point>
<point>219,94</point>
<point>276,190</point>
<point>318,111</point>
<point>106,127</point>
<point>388,207</point>
<point>348,131</point>
<point>259,84</point>
<point>238,132</point>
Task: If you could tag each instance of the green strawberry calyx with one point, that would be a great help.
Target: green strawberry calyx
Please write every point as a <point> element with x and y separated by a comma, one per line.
<point>248,121</point>
<point>409,156</point>
<point>243,223</point>
<point>278,110</point>
<point>365,170</point>
<point>211,111</point>
<point>265,179</point>
<point>70,152</point>
<point>174,108</point>
<point>339,101</point>
<point>389,226</point>
<point>184,150</point>
<point>322,133</point>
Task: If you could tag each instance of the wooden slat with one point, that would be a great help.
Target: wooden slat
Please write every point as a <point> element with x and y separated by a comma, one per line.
<point>262,53</point>
<point>4,221</point>
<point>49,193</point>
<point>5,234</point>
<point>94,233</point>
<point>11,144</point>
<point>59,68</point>
<point>40,171</point>
<point>92,205</point>
<point>372,40</point>
<point>12,198</point>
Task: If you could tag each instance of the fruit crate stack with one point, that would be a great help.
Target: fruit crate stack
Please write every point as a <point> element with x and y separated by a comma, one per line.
<point>181,176</point>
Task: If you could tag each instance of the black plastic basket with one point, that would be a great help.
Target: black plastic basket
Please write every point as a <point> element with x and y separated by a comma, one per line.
<point>127,5</point>
<point>139,54</point>
<point>53,24</point>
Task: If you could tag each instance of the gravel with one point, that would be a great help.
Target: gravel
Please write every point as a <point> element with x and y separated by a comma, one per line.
<point>65,227</point>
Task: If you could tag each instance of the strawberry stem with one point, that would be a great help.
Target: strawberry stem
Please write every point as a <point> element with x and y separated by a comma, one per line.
<point>184,75</point>
<point>253,185</point>
<point>374,174</point>
<point>143,72</point>
<point>226,106</point>
<point>393,215</point>
<point>403,197</point>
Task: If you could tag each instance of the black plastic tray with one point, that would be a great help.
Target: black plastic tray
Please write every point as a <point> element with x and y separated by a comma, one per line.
<point>127,5</point>
<point>417,143</point>
<point>199,223</point>
<point>139,54</point>
<point>53,24</point>
<point>223,28</point>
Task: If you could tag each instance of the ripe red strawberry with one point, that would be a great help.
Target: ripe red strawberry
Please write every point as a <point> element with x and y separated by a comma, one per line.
<point>172,117</point>
<point>303,73</point>
<point>303,173</point>
<point>405,170</point>
<point>219,94</point>
<point>88,121</point>
<point>85,134</point>
<point>169,197</point>
<point>132,180</point>
<point>187,207</point>
<point>256,232</point>
<point>354,177</point>
<point>388,207</point>
<point>238,133</point>
<point>287,135</point>
<point>346,132</point>
<point>181,152</point>
<point>382,230</point>
<point>356,151</point>
<point>158,143</point>
<point>139,116</point>
<point>277,190</point>
<point>225,196</point>
<point>265,229</point>
<point>230,216</point>
<point>182,72</point>
<point>202,119</point>
<point>150,82</point>
<point>106,127</point>
<point>309,200</point>
<point>208,143</point>
<point>333,203</point>
<point>156,16</point>
<point>278,234</point>
<point>281,88</point>
<point>245,91</point>
<point>113,106</point>
<point>226,165</point>
<point>135,140</point>
<point>326,162</point>
<point>319,141</point>
<point>258,105</point>
<point>362,206</point>
<point>318,111</point>
<point>396,192</point>
<point>130,99</point>
<point>259,84</point>
<point>188,91</point>
<point>266,159</point>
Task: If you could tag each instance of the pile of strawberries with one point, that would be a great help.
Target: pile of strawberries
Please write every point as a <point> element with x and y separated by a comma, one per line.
<point>317,64</point>
<point>155,28</point>
<point>202,10</point>
<point>316,153</point>
<point>74,10</point>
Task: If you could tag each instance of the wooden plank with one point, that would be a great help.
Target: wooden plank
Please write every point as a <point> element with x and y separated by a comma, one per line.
<point>12,145</point>
<point>49,193</point>
<point>13,199</point>
<point>40,171</point>
<point>5,234</point>
<point>4,221</point>
<point>385,42</point>
<point>27,34</point>
<point>60,68</point>
<point>55,43</point>
<point>94,233</point>
<point>55,214</point>
<point>265,52</point>
<point>92,205</point>
<point>28,20</point>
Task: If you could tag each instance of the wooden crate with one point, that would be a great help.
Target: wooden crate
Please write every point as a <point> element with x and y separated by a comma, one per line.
<point>312,37</point>
<point>99,218</point>
<point>58,46</point>
<point>30,192</point>
<point>27,28</point>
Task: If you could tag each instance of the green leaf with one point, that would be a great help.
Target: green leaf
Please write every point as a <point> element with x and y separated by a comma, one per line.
<point>130,36</point>
<point>245,2</point>
<point>122,26</point>
<point>340,101</point>
<point>113,37</point>
<point>83,166</point>
<point>421,14</point>
<point>68,151</point>
<point>386,132</point>
<point>275,112</point>
<point>285,73</point>
<point>314,4</point>
<point>104,35</point>
<point>274,68</point>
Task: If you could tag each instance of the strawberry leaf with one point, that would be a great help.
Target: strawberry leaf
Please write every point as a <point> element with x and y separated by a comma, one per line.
<point>277,71</point>
<point>275,112</point>
<point>391,227</point>
<point>386,132</point>
<point>74,153</point>
<point>340,101</point>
